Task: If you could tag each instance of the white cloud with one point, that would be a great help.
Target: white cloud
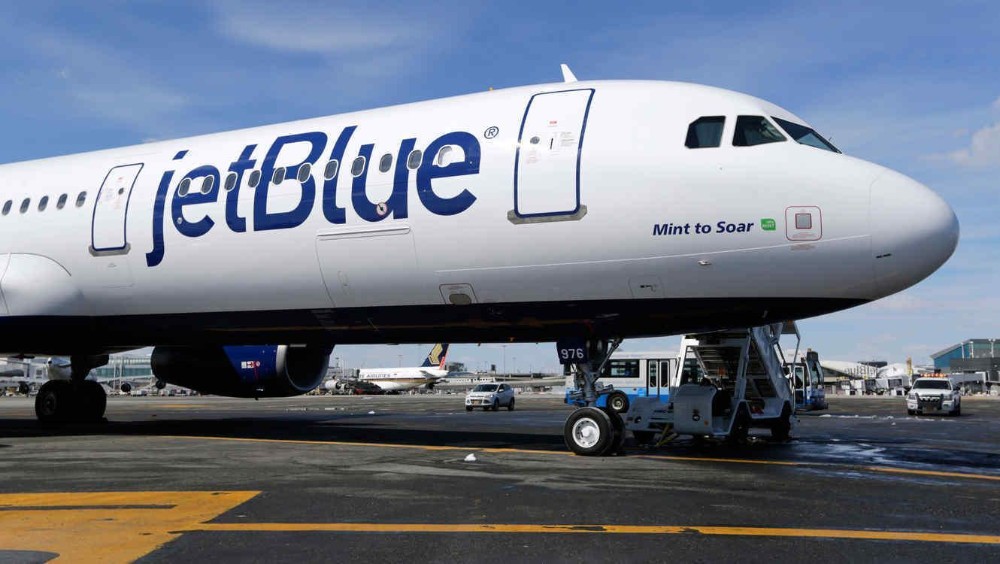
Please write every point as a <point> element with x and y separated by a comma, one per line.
<point>996,104</point>
<point>983,150</point>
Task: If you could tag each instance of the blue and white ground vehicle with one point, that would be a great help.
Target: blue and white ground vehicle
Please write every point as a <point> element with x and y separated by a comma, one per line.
<point>633,375</point>
<point>806,379</point>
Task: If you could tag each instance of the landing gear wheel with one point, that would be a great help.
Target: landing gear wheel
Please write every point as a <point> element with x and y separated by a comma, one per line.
<point>781,429</point>
<point>741,428</point>
<point>54,402</point>
<point>588,431</point>
<point>62,401</point>
<point>617,444</point>
<point>618,401</point>
<point>510,406</point>
<point>92,401</point>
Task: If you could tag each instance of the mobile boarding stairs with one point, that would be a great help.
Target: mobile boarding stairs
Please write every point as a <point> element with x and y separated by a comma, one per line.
<point>726,383</point>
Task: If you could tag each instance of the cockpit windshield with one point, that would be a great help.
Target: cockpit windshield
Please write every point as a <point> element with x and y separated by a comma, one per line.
<point>805,135</point>
<point>755,130</point>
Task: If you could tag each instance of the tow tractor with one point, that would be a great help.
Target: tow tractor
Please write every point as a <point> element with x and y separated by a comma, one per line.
<point>726,383</point>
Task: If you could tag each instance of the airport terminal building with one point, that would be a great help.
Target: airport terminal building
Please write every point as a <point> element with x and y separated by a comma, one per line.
<point>971,355</point>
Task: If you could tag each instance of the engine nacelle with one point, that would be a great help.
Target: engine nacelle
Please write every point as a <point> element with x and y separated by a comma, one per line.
<point>255,371</point>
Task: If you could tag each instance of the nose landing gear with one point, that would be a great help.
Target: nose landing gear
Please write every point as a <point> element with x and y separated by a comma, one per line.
<point>591,431</point>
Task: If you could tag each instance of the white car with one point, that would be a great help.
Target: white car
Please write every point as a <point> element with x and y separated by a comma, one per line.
<point>490,396</point>
<point>933,394</point>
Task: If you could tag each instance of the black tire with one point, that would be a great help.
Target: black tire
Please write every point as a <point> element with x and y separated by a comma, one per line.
<point>94,401</point>
<point>617,445</point>
<point>911,412</point>
<point>588,431</point>
<point>618,402</point>
<point>496,405</point>
<point>510,406</point>
<point>53,403</point>
<point>957,411</point>
<point>741,427</point>
<point>468,408</point>
<point>781,429</point>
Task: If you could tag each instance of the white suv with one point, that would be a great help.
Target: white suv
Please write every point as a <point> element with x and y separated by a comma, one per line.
<point>490,396</point>
<point>933,394</point>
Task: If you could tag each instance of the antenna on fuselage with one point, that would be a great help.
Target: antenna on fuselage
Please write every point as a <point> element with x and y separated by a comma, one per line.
<point>568,75</point>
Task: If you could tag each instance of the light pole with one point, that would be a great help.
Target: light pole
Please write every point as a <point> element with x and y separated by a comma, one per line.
<point>515,365</point>
<point>504,347</point>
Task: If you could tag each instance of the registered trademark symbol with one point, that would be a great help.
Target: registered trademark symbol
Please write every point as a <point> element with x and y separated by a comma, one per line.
<point>491,132</point>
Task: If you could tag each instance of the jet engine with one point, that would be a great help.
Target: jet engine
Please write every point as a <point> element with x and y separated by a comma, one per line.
<point>254,371</point>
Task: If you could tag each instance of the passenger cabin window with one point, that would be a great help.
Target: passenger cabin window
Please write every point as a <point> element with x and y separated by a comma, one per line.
<point>413,161</point>
<point>254,179</point>
<point>81,199</point>
<point>183,187</point>
<point>61,202</point>
<point>25,205</point>
<point>358,167</point>
<point>43,203</point>
<point>7,206</point>
<point>331,169</point>
<point>305,169</point>
<point>705,132</point>
<point>230,181</point>
<point>755,130</point>
<point>207,184</point>
<point>279,175</point>
<point>385,163</point>
<point>805,135</point>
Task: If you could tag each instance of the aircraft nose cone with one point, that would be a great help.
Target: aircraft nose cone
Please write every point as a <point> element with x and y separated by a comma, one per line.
<point>914,232</point>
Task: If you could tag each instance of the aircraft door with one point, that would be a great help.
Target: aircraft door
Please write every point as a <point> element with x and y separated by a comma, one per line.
<point>547,166</point>
<point>111,211</point>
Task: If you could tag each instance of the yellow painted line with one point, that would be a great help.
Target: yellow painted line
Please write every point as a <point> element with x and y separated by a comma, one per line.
<point>445,448</point>
<point>935,473</point>
<point>600,529</point>
<point>106,526</point>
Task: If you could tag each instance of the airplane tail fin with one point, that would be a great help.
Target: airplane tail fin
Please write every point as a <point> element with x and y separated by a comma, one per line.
<point>437,356</point>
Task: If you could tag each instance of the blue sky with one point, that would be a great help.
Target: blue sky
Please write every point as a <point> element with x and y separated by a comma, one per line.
<point>911,85</point>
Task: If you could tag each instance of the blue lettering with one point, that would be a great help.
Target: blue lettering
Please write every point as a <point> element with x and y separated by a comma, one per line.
<point>428,171</point>
<point>155,256</point>
<point>331,211</point>
<point>397,202</point>
<point>178,203</point>
<point>236,223</point>
<point>264,221</point>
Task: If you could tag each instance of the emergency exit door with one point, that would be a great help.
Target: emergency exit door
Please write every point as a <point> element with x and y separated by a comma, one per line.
<point>111,210</point>
<point>547,167</point>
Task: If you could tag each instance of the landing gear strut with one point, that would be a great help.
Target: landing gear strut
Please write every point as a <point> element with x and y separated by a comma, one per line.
<point>592,431</point>
<point>74,400</point>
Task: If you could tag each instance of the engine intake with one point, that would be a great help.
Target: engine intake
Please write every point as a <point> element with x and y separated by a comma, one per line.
<point>255,371</point>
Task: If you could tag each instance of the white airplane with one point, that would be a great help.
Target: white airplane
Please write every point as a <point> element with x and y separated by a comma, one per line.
<point>408,378</point>
<point>583,211</point>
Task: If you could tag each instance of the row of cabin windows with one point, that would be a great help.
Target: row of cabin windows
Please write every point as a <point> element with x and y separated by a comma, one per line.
<point>43,203</point>
<point>706,132</point>
<point>330,171</point>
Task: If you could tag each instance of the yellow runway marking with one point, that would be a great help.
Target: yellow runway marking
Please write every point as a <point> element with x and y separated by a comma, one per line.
<point>935,473</point>
<point>600,529</point>
<point>107,526</point>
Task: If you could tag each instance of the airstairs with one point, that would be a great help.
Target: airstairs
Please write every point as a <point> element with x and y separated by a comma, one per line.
<point>727,383</point>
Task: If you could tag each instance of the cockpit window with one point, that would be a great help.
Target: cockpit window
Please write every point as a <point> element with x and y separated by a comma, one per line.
<point>755,130</point>
<point>705,132</point>
<point>806,135</point>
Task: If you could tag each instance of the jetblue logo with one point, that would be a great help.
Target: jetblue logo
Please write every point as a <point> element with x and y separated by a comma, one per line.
<point>189,222</point>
